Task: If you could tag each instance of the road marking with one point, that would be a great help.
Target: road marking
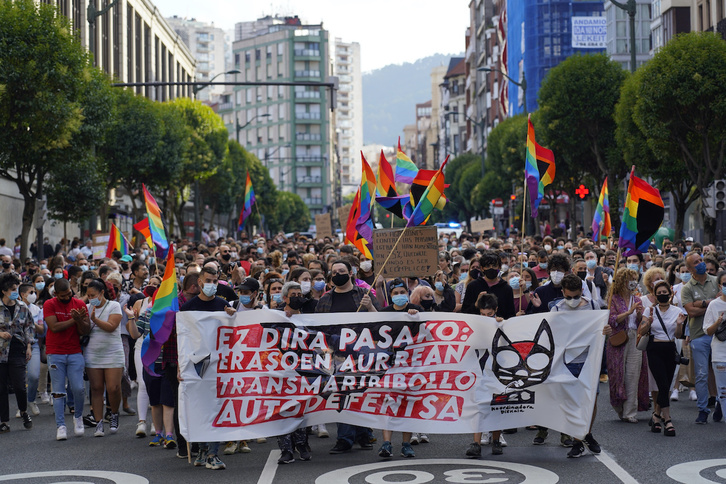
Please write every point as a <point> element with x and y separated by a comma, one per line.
<point>531,474</point>
<point>268,473</point>
<point>116,477</point>
<point>615,468</point>
<point>690,472</point>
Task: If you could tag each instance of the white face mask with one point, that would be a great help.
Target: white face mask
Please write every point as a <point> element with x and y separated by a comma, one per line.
<point>548,247</point>
<point>366,266</point>
<point>305,287</point>
<point>574,302</point>
<point>556,277</point>
<point>32,298</point>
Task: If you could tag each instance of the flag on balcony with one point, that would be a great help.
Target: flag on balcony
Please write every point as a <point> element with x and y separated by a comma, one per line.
<point>406,170</point>
<point>642,216</point>
<point>249,201</point>
<point>539,168</point>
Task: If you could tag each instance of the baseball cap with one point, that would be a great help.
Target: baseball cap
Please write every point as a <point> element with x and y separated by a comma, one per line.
<point>126,258</point>
<point>249,284</point>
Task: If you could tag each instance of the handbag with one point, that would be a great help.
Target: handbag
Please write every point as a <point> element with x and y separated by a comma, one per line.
<point>721,331</point>
<point>643,341</point>
<point>618,339</point>
<point>678,358</point>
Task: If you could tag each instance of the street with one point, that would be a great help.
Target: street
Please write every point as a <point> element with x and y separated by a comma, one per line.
<point>631,454</point>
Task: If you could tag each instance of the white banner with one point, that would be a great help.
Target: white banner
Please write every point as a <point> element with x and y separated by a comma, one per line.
<point>260,374</point>
<point>589,32</point>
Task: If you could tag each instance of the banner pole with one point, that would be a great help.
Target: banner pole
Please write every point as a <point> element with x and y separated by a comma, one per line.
<point>380,270</point>
<point>257,207</point>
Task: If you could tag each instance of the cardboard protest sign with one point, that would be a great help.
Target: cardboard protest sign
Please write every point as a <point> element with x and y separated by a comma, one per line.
<point>343,213</point>
<point>483,225</point>
<point>323,225</point>
<point>260,373</point>
<point>100,244</point>
<point>416,254</point>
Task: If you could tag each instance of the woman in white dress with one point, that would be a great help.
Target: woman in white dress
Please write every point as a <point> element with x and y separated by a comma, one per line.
<point>104,353</point>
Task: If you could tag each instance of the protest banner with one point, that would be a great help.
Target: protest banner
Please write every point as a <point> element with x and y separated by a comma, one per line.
<point>260,373</point>
<point>482,226</point>
<point>416,255</point>
<point>100,244</point>
<point>323,226</point>
<point>343,213</point>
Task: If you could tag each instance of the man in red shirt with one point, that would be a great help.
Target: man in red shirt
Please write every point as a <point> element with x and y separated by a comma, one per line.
<point>67,320</point>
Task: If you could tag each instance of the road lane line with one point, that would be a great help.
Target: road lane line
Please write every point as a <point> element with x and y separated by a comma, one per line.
<point>615,468</point>
<point>268,473</point>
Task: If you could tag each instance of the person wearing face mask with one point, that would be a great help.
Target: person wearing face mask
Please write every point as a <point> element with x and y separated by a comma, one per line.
<point>541,269</point>
<point>491,283</point>
<point>424,296</point>
<point>696,295</point>
<point>29,296</point>
<point>460,290</point>
<point>125,262</point>
<point>366,272</point>
<point>627,367</point>
<point>302,276</point>
<point>16,337</point>
<point>599,277</point>
<point>444,295</point>
<point>636,262</point>
<point>249,292</point>
<point>712,320</point>
<point>546,295</point>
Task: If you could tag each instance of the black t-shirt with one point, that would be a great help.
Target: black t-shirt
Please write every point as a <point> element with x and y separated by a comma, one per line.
<point>391,309</point>
<point>196,304</point>
<point>226,293</point>
<point>11,309</point>
<point>343,302</point>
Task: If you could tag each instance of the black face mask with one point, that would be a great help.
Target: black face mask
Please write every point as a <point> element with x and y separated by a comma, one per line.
<point>226,256</point>
<point>125,266</point>
<point>491,274</point>
<point>582,274</point>
<point>340,279</point>
<point>663,298</point>
<point>297,302</point>
<point>6,265</point>
<point>474,274</point>
<point>427,303</point>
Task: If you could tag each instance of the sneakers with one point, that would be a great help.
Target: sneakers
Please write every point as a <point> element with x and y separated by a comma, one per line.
<point>99,430</point>
<point>718,413</point>
<point>201,459</point>
<point>129,411</point>
<point>27,421</point>
<point>157,441</point>
<point>577,449</point>
<point>4,428</point>
<point>474,450</point>
<point>423,438</point>
<point>674,395</point>
<point>365,444</point>
<point>33,409</point>
<point>17,414</point>
<point>107,415</point>
<point>592,444</point>
<point>286,458</point>
<point>414,438</point>
<point>692,396</point>
<point>502,441</point>
<point>89,421</point>
<point>711,402</point>
<point>182,452</point>
<point>340,447</point>
<point>486,438</point>
<point>45,398</point>
<point>497,447</point>
<point>215,463</point>
<point>230,448</point>
<point>60,433</point>
<point>169,442</point>
<point>566,440</point>
<point>604,378</point>
<point>322,432</point>
<point>407,450</point>
<point>141,429</point>
<point>305,452</point>
<point>78,427</point>
<point>261,440</point>
<point>386,450</point>
<point>540,437</point>
<point>243,447</point>
<point>702,417</point>
<point>114,423</point>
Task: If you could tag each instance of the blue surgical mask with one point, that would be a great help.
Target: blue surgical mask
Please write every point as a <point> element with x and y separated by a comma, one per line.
<point>462,276</point>
<point>514,282</point>
<point>94,302</point>
<point>525,264</point>
<point>58,276</point>
<point>181,279</point>
<point>439,286</point>
<point>260,250</point>
<point>527,284</point>
<point>146,251</point>
<point>400,299</point>
<point>591,264</point>
<point>543,265</point>
<point>245,299</point>
<point>723,290</point>
<point>560,247</point>
<point>685,277</point>
<point>634,267</point>
<point>39,286</point>
<point>43,267</point>
<point>319,285</point>
<point>701,268</point>
<point>84,267</point>
<point>14,295</point>
<point>277,298</point>
<point>209,289</point>
<point>285,271</point>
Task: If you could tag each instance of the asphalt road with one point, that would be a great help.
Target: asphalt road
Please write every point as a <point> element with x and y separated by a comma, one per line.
<point>631,454</point>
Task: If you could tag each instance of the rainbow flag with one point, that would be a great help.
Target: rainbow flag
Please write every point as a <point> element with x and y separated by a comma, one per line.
<point>386,186</point>
<point>249,201</point>
<point>642,216</point>
<point>421,183</point>
<point>156,226</point>
<point>364,224</point>
<point>165,305</point>
<point>400,205</point>
<point>143,227</point>
<point>602,215</point>
<point>351,234</point>
<point>116,241</point>
<point>539,168</point>
<point>406,170</point>
<point>429,199</point>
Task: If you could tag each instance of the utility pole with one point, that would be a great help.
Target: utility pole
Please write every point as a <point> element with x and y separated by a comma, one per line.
<point>630,7</point>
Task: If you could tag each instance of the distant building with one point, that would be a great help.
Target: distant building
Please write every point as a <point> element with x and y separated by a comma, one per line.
<point>349,112</point>
<point>618,33</point>
<point>708,16</point>
<point>287,128</point>
<point>452,112</point>
<point>207,44</point>
<point>541,35</point>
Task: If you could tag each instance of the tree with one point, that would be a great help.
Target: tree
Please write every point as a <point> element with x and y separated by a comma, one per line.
<point>42,70</point>
<point>681,107</point>
<point>291,214</point>
<point>458,204</point>
<point>575,119</point>
<point>670,174</point>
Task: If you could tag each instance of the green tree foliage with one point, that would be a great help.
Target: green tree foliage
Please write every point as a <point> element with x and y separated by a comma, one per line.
<point>681,107</point>
<point>575,120</point>
<point>291,214</point>
<point>458,204</point>
<point>43,68</point>
<point>670,173</point>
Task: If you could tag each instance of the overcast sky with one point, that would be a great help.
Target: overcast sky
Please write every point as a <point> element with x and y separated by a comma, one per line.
<point>389,31</point>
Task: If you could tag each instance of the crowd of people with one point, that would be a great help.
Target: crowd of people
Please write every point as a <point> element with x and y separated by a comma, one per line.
<point>72,327</point>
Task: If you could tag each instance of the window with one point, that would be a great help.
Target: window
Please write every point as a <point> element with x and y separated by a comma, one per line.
<point>257,54</point>
<point>247,56</point>
<point>280,48</point>
<point>236,60</point>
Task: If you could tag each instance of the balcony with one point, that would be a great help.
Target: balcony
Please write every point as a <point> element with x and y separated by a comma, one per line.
<point>307,117</point>
<point>304,181</point>
<point>310,160</point>
<point>311,95</point>
<point>313,201</point>
<point>307,52</point>
<point>315,74</point>
<point>226,106</point>
<point>308,137</point>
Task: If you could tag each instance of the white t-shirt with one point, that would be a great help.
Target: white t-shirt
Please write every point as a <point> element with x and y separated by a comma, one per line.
<point>670,320</point>
<point>714,310</point>
<point>6,251</point>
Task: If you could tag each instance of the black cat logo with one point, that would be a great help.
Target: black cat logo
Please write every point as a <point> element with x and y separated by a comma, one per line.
<point>522,364</point>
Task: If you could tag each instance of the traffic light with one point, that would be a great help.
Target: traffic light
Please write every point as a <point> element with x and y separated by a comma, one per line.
<point>719,195</point>
<point>512,197</point>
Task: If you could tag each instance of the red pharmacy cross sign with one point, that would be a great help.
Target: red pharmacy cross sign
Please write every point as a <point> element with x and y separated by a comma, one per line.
<point>582,191</point>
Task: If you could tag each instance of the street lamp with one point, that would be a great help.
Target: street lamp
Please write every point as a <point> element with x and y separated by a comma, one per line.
<point>239,128</point>
<point>196,89</point>
<point>522,85</point>
<point>630,8</point>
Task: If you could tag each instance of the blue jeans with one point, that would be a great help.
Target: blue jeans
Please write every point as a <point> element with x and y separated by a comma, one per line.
<point>212,448</point>
<point>61,367</point>
<point>33,373</point>
<point>700,353</point>
<point>352,433</point>
<point>719,372</point>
